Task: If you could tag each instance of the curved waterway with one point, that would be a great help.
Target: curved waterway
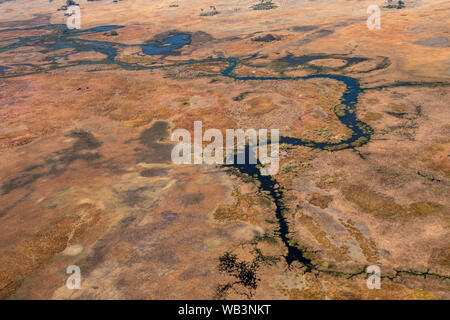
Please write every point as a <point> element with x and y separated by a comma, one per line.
<point>63,38</point>
<point>346,113</point>
<point>270,185</point>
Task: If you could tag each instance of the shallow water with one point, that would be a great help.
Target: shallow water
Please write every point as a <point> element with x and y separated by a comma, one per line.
<point>168,45</point>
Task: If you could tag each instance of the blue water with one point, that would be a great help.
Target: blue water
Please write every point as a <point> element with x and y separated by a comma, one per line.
<point>63,38</point>
<point>168,45</point>
<point>96,30</point>
<point>276,192</point>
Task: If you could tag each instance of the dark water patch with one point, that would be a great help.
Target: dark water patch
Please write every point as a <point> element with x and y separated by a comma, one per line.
<point>267,184</point>
<point>63,38</point>
<point>51,58</point>
<point>98,29</point>
<point>168,45</point>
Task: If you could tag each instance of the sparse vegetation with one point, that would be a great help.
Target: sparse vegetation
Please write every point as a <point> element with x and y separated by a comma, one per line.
<point>385,207</point>
<point>289,167</point>
<point>243,272</point>
<point>211,12</point>
<point>392,4</point>
<point>111,33</point>
<point>264,5</point>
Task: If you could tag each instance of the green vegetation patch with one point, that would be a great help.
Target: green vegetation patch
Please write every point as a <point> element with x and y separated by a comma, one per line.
<point>385,207</point>
<point>264,5</point>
